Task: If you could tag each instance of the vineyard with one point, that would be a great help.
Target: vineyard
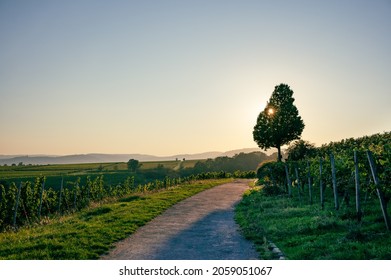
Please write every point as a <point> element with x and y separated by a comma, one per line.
<point>355,168</point>
<point>326,203</point>
<point>30,202</point>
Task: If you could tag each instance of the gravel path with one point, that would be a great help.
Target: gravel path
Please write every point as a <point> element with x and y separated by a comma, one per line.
<point>201,227</point>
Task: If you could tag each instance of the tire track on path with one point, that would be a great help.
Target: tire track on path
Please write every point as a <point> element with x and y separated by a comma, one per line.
<point>201,227</point>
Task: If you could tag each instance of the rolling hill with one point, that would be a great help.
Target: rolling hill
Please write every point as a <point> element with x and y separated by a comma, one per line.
<point>96,157</point>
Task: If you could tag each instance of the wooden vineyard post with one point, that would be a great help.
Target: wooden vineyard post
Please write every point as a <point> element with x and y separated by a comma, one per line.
<point>298,182</point>
<point>288,180</point>
<point>75,197</point>
<point>321,183</point>
<point>380,194</point>
<point>357,182</point>
<point>60,196</point>
<point>40,201</point>
<point>17,204</point>
<point>272,177</point>
<point>88,193</point>
<point>334,179</point>
<point>309,181</point>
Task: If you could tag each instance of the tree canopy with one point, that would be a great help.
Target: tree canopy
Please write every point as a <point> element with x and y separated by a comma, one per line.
<point>239,162</point>
<point>279,123</point>
<point>301,149</point>
<point>133,165</point>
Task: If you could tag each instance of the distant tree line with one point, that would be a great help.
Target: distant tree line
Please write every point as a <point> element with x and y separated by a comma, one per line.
<point>239,162</point>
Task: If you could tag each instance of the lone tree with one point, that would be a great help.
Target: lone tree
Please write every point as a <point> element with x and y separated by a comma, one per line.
<point>133,165</point>
<point>279,123</point>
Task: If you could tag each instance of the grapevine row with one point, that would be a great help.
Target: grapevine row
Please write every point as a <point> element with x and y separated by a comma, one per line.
<point>31,202</point>
<point>352,168</point>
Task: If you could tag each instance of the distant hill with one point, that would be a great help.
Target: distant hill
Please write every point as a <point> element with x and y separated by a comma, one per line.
<point>96,158</point>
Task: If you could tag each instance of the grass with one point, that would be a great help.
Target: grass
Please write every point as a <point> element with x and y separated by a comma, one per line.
<point>90,233</point>
<point>305,232</point>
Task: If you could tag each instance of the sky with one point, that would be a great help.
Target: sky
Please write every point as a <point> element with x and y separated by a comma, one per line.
<point>171,77</point>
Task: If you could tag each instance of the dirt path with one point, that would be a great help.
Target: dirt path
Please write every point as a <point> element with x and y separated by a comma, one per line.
<point>201,227</point>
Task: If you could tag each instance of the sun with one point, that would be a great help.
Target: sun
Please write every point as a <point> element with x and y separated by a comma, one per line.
<point>270,111</point>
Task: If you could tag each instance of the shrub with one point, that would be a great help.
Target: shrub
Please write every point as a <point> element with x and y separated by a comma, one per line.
<point>271,176</point>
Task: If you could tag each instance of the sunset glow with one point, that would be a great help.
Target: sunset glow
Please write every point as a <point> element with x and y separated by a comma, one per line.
<point>170,77</point>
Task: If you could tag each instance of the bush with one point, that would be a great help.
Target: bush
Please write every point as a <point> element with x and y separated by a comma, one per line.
<point>271,176</point>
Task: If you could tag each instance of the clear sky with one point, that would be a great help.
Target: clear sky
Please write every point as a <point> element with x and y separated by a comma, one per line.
<point>169,77</point>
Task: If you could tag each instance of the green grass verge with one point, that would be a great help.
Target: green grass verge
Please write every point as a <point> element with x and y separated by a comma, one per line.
<point>91,232</point>
<point>305,231</point>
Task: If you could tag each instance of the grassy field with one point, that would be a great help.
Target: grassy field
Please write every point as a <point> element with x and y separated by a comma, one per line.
<point>91,232</point>
<point>9,172</point>
<point>304,231</point>
<point>114,172</point>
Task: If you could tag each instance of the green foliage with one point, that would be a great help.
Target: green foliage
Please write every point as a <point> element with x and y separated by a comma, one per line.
<point>309,179</point>
<point>271,175</point>
<point>90,233</point>
<point>239,162</point>
<point>346,146</point>
<point>117,173</point>
<point>79,196</point>
<point>300,149</point>
<point>73,198</point>
<point>133,165</point>
<point>85,186</point>
<point>379,144</point>
<point>382,154</point>
<point>279,123</point>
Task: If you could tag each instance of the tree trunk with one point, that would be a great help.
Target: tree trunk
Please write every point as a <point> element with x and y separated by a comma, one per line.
<point>279,157</point>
